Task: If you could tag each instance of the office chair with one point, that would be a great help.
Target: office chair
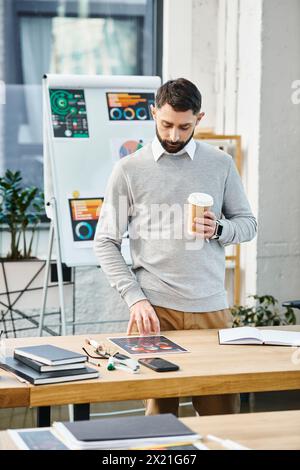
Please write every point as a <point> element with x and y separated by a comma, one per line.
<point>292,303</point>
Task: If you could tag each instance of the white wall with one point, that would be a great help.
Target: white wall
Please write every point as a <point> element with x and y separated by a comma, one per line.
<point>177,39</point>
<point>238,104</point>
<point>204,55</point>
<point>190,48</point>
<point>1,81</point>
<point>1,39</point>
<point>257,68</point>
<point>278,256</point>
<point>249,67</point>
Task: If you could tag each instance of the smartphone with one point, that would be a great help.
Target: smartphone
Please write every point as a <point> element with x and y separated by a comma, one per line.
<point>158,364</point>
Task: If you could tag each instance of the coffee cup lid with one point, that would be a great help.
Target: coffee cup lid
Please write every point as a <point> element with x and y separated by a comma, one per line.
<point>201,199</point>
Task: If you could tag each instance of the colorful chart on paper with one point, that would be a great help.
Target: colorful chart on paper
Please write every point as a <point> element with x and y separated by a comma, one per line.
<point>129,106</point>
<point>147,345</point>
<point>84,215</point>
<point>69,117</point>
<point>129,147</point>
<point>121,148</point>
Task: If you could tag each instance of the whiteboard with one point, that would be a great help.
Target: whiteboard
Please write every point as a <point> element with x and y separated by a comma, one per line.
<point>90,122</point>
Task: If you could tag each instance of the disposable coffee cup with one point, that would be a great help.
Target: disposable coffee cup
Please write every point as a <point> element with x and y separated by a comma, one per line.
<point>198,204</point>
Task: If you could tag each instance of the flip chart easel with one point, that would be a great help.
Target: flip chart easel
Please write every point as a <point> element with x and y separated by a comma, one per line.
<point>90,122</point>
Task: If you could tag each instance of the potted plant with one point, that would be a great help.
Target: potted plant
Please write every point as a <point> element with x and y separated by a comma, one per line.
<point>21,274</point>
<point>265,312</point>
<point>21,209</point>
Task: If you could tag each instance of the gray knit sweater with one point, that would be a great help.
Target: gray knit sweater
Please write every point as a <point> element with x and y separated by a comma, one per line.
<point>149,199</point>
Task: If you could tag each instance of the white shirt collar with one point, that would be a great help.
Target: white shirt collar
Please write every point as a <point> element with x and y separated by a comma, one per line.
<point>158,150</point>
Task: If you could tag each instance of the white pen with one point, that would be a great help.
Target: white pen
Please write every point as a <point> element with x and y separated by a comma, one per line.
<point>227,443</point>
<point>201,446</point>
<point>93,343</point>
<point>129,365</point>
<point>94,362</point>
<point>20,379</point>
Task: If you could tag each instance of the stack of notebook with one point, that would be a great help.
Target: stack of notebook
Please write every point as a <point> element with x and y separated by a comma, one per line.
<point>124,433</point>
<point>44,364</point>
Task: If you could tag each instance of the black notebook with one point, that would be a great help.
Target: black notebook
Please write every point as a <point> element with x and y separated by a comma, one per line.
<point>21,370</point>
<point>50,355</point>
<point>123,432</point>
<point>43,368</point>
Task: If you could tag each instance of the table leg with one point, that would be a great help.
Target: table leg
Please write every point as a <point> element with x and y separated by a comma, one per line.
<point>81,412</point>
<point>43,416</point>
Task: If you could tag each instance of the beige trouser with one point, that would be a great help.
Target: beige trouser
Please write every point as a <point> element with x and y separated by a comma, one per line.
<point>204,405</point>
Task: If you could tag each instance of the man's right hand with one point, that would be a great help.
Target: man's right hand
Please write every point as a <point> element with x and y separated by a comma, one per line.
<point>144,316</point>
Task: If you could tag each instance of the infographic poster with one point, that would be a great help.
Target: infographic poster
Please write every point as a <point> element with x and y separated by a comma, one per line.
<point>68,111</point>
<point>129,106</point>
<point>120,148</point>
<point>84,217</point>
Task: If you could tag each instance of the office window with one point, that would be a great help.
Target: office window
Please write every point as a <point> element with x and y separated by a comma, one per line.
<point>118,54</point>
<point>112,37</point>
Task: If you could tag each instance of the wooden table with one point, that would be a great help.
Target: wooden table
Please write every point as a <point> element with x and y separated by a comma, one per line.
<point>275,430</point>
<point>209,368</point>
<point>13,393</point>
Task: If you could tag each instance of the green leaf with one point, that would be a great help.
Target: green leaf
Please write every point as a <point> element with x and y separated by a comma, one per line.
<point>20,207</point>
<point>266,312</point>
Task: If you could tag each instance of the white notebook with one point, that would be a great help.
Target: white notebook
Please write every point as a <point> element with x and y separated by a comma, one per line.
<point>251,335</point>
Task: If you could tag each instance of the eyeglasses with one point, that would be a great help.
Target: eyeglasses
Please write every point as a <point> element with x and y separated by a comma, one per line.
<point>100,354</point>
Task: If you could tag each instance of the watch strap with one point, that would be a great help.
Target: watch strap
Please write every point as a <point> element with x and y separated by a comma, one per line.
<point>218,230</point>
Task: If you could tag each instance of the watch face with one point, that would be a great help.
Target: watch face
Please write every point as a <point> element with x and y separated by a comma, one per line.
<point>219,230</point>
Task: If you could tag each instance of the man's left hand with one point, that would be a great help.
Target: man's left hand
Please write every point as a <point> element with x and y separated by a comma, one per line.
<point>206,227</point>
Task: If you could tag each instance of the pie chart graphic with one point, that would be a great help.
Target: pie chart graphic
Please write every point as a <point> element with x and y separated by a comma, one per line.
<point>130,146</point>
<point>84,231</point>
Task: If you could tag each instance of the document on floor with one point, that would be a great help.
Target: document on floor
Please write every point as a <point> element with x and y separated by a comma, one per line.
<point>147,345</point>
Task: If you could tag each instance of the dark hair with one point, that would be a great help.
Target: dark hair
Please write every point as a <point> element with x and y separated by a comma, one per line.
<point>181,94</point>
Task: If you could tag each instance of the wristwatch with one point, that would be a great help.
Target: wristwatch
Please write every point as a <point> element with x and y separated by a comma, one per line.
<point>218,230</point>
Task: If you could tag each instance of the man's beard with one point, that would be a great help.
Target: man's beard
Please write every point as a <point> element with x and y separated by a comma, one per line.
<point>173,147</point>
